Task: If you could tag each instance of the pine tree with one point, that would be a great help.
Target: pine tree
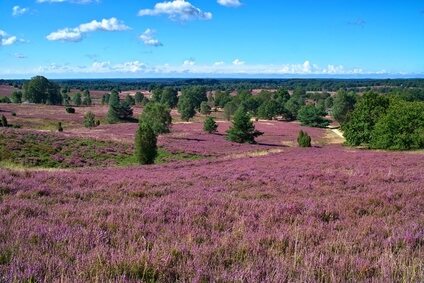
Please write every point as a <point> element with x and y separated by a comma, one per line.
<point>210,125</point>
<point>59,127</point>
<point>145,144</point>
<point>242,130</point>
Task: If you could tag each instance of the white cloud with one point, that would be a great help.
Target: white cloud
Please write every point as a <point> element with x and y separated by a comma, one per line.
<point>218,63</point>
<point>147,38</point>
<point>16,11</point>
<point>177,9</point>
<point>238,62</point>
<point>229,3</point>
<point>6,39</point>
<point>76,34</point>
<point>189,63</point>
<point>20,55</point>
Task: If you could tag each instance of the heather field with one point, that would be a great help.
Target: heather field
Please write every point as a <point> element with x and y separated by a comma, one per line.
<point>213,211</point>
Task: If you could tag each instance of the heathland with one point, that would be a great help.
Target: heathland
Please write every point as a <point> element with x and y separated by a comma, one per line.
<point>76,207</point>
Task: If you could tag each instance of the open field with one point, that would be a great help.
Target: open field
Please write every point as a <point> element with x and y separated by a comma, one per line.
<point>269,212</point>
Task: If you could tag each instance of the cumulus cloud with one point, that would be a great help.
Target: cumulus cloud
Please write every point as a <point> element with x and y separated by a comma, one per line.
<point>16,11</point>
<point>238,62</point>
<point>76,34</point>
<point>229,3</point>
<point>177,9</point>
<point>218,63</point>
<point>147,38</point>
<point>6,39</point>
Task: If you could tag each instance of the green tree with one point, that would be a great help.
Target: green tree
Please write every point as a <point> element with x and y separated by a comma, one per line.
<point>41,90</point>
<point>169,96</point>
<point>401,128</point>
<point>205,109</point>
<point>312,116</point>
<point>242,130</point>
<point>229,110</point>
<point>138,97</point>
<point>343,104</point>
<point>157,94</point>
<point>268,110</point>
<point>17,97</point>
<point>76,99</point>
<point>89,120</point>
<point>145,144</point>
<point>112,116</point>
<point>87,98</point>
<point>158,116</point>
<point>221,98</point>
<point>368,110</point>
<point>130,100</point>
<point>210,125</point>
<point>303,139</point>
<point>186,107</point>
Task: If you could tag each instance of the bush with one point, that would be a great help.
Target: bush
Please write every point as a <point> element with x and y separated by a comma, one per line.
<point>70,110</point>
<point>242,130</point>
<point>89,120</point>
<point>59,127</point>
<point>210,125</point>
<point>145,144</point>
<point>3,121</point>
<point>304,140</point>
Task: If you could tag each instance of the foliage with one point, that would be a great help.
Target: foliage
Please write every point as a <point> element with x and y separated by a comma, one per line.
<point>130,100</point>
<point>77,99</point>
<point>268,110</point>
<point>70,110</point>
<point>87,98</point>
<point>242,129</point>
<point>3,121</point>
<point>4,99</point>
<point>89,120</point>
<point>17,97</point>
<point>41,90</point>
<point>197,94</point>
<point>343,104</point>
<point>229,110</point>
<point>221,99</point>
<point>205,109</point>
<point>59,127</point>
<point>210,125</point>
<point>368,110</point>
<point>118,110</point>
<point>186,107</point>
<point>138,97</point>
<point>169,96</point>
<point>312,116</point>
<point>145,144</point>
<point>401,128</point>
<point>157,116</point>
<point>304,140</point>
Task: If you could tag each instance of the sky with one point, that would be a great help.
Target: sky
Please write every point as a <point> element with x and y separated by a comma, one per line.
<point>211,38</point>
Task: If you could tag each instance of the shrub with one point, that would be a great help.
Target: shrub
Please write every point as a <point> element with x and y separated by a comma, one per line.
<point>89,120</point>
<point>210,125</point>
<point>304,140</point>
<point>242,130</point>
<point>145,144</point>
<point>3,121</point>
<point>59,127</point>
<point>70,110</point>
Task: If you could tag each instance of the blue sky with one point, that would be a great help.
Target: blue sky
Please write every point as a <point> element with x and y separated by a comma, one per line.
<point>211,38</point>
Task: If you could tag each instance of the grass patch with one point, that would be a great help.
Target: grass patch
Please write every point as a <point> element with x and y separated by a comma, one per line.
<point>164,156</point>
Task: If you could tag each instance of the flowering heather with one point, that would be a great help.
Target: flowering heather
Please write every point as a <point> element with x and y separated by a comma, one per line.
<point>321,214</point>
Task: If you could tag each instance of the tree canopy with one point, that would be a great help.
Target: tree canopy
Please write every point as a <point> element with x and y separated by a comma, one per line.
<point>158,116</point>
<point>41,90</point>
<point>242,130</point>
